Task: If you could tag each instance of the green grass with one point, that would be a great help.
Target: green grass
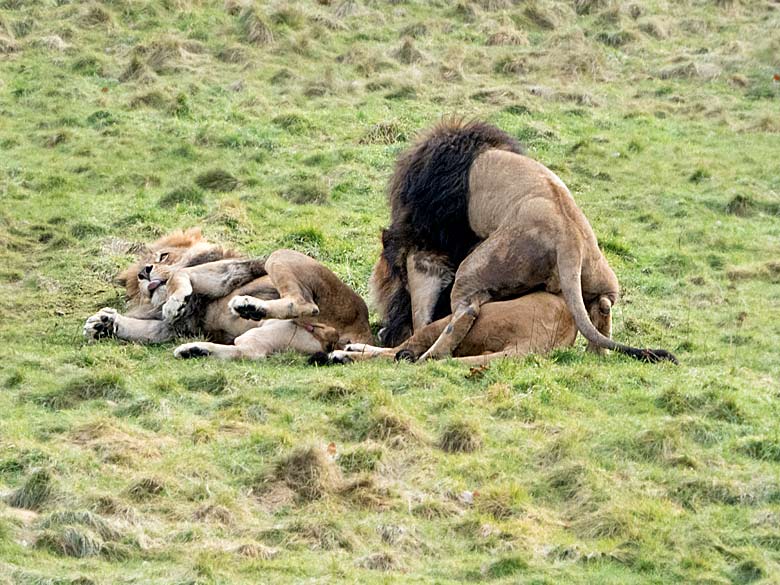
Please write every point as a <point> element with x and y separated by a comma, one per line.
<point>277,124</point>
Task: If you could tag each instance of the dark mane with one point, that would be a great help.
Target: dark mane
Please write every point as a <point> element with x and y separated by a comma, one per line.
<point>429,188</point>
<point>428,195</point>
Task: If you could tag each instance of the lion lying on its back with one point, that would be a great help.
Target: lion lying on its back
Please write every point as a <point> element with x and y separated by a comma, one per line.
<point>146,295</point>
<point>183,285</point>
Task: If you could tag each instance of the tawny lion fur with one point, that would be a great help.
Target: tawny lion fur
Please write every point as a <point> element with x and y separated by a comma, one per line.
<point>531,235</point>
<point>261,305</point>
<point>535,323</point>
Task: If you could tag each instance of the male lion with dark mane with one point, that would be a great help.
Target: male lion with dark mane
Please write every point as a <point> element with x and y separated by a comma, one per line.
<point>468,208</point>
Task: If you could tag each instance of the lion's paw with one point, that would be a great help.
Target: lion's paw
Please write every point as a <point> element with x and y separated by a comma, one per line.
<point>340,357</point>
<point>190,350</point>
<point>101,325</point>
<point>248,307</point>
<point>174,308</point>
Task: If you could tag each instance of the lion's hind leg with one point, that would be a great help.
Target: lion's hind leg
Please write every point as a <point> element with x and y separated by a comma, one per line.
<point>286,269</point>
<point>272,336</point>
<point>455,331</point>
<point>509,262</point>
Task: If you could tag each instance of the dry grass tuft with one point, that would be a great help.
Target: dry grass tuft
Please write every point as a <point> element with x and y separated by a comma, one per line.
<point>346,9</point>
<point>384,133</point>
<point>609,521</point>
<point>393,428</point>
<point>85,518</point>
<point>113,506</point>
<point>451,73</point>
<point>146,488</point>
<point>52,43</point>
<point>415,30</point>
<point>399,536</point>
<point>107,386</point>
<point>289,16</point>
<point>334,392</point>
<point>306,191</point>
<point>217,180</point>
<point>363,458</point>
<point>511,65</point>
<point>381,561</point>
<point>233,54</point>
<point>741,206</point>
<point>364,492</point>
<point>213,512</point>
<point>169,54</point>
<point>232,213</point>
<point>8,43</point>
<point>216,383</point>
<point>34,493</point>
<point>114,445</point>
<point>150,99</point>
<point>255,550</point>
<point>501,502</point>
<point>571,53</point>
<point>768,271</point>
<point>431,509</point>
<point>766,123</point>
<point>96,15</point>
<point>465,11</point>
<point>494,5</point>
<point>656,27</point>
<point>324,534</point>
<point>256,30</point>
<point>616,37</point>
<point>589,6</point>
<point>542,16</point>
<point>687,69</point>
<point>137,70</point>
<point>407,53</point>
<point>309,472</point>
<point>234,7</point>
<point>70,541</point>
<point>460,436</point>
<point>506,37</point>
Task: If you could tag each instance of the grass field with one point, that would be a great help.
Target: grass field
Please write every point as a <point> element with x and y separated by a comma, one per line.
<point>277,124</point>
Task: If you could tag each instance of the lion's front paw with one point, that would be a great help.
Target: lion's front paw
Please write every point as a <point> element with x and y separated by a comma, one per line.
<point>101,325</point>
<point>190,350</point>
<point>174,308</point>
<point>248,307</point>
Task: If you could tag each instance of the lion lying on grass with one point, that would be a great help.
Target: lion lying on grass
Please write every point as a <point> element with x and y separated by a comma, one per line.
<point>535,323</point>
<point>183,285</point>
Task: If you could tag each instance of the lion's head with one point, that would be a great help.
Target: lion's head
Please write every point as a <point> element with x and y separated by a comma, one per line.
<point>145,280</point>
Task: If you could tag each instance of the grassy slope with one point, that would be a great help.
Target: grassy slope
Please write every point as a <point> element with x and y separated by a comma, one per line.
<point>664,124</point>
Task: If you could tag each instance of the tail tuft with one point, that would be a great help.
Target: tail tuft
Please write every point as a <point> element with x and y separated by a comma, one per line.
<point>652,356</point>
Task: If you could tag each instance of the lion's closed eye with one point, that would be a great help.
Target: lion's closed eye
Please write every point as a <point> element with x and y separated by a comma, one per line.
<point>162,256</point>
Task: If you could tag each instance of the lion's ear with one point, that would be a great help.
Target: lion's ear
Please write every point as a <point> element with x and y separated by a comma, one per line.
<point>194,233</point>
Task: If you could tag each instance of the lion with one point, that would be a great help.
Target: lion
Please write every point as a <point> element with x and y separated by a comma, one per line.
<point>466,193</point>
<point>262,306</point>
<point>146,295</point>
<point>314,311</point>
<point>534,323</point>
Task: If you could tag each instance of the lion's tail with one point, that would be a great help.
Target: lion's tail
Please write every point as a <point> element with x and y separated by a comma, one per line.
<point>570,270</point>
